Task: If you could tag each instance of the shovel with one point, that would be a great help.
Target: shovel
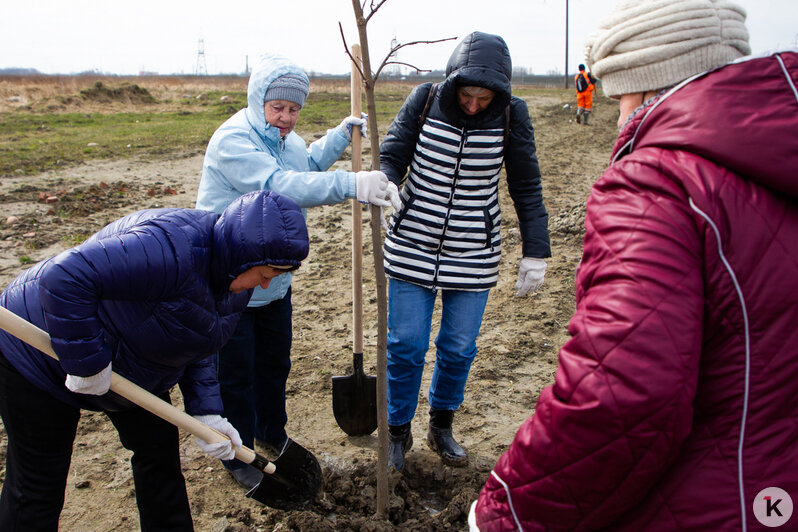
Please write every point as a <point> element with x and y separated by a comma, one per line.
<point>292,480</point>
<point>355,395</point>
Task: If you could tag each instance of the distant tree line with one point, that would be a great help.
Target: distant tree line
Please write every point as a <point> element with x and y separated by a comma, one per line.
<point>521,75</point>
<point>15,71</point>
<point>19,72</point>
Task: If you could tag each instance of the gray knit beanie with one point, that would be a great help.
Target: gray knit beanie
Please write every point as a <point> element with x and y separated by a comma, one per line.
<point>289,87</point>
<point>645,45</point>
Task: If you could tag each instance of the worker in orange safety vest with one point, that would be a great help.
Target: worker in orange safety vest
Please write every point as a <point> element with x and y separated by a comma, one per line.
<point>585,85</point>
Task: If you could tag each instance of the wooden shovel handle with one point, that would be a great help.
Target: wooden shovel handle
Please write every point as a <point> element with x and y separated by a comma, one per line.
<point>357,238</point>
<point>30,334</point>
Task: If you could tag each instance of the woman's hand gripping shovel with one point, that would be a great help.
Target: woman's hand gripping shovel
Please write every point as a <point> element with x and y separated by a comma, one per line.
<point>354,397</point>
<point>292,480</point>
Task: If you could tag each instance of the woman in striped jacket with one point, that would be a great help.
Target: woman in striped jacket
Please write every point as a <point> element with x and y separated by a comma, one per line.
<point>454,137</point>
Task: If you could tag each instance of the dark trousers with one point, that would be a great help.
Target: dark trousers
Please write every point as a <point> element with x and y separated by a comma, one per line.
<point>41,431</point>
<point>253,368</point>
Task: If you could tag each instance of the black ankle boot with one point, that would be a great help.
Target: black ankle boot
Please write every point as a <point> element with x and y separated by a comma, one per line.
<point>400,440</point>
<point>440,440</point>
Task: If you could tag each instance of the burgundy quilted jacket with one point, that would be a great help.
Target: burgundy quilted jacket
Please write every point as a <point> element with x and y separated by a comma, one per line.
<point>676,399</point>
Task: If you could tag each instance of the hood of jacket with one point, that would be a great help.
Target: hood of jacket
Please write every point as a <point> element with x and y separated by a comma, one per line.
<point>258,228</point>
<point>154,282</point>
<point>268,68</point>
<point>739,118</point>
<point>481,60</point>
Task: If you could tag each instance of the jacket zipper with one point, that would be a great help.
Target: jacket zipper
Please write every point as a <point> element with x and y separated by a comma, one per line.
<point>449,207</point>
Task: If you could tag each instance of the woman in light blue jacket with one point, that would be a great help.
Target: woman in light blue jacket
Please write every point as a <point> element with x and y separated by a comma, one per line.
<point>257,149</point>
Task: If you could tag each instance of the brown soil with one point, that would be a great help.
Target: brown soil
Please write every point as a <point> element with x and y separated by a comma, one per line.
<point>517,348</point>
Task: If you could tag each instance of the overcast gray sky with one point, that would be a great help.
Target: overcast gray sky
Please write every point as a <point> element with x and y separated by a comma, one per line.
<point>67,36</point>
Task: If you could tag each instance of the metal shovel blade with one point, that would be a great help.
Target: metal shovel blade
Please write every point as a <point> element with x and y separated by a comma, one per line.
<point>355,400</point>
<point>295,481</point>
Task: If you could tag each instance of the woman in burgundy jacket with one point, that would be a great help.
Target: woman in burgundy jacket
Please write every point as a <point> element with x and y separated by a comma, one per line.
<point>675,404</point>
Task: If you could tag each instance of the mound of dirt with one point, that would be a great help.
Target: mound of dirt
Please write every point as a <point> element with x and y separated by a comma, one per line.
<point>51,208</point>
<point>570,222</point>
<point>128,93</point>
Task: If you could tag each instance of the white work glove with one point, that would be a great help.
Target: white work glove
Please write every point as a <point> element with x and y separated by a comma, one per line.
<point>96,384</point>
<point>472,518</point>
<point>222,450</point>
<point>372,187</point>
<point>349,121</point>
<point>530,275</point>
<point>393,196</point>
<point>384,220</point>
<point>392,193</point>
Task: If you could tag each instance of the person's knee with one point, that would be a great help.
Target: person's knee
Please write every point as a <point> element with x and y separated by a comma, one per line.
<point>456,350</point>
<point>408,345</point>
<point>406,357</point>
<point>458,360</point>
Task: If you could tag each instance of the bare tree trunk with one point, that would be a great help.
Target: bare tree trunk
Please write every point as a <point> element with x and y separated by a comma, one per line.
<point>379,275</point>
<point>369,78</point>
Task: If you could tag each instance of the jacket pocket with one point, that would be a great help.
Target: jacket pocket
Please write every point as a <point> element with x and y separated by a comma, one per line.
<point>488,227</point>
<point>403,213</point>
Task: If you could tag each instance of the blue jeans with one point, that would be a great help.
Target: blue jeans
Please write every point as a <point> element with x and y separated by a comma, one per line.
<point>409,321</point>
<point>252,369</point>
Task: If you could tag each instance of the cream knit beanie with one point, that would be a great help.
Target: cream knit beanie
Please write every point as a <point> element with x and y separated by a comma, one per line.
<point>646,45</point>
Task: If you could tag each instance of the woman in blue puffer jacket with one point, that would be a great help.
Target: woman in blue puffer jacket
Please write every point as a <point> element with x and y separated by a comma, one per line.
<point>153,296</point>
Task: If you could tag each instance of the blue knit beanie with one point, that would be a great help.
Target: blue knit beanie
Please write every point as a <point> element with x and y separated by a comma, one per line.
<point>289,87</point>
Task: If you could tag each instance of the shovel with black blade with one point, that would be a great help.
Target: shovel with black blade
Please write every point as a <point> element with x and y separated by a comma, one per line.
<point>355,396</point>
<point>290,481</point>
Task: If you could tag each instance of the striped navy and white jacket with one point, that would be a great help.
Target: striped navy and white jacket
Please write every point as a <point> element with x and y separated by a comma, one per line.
<point>447,233</point>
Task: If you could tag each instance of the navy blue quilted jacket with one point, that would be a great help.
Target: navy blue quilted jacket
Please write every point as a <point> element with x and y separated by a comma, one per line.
<point>150,294</point>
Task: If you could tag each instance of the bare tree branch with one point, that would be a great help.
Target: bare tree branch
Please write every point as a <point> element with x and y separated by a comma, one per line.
<point>386,63</point>
<point>394,49</point>
<point>414,67</point>
<point>413,43</point>
<point>374,8</point>
<point>391,53</point>
<point>346,48</point>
